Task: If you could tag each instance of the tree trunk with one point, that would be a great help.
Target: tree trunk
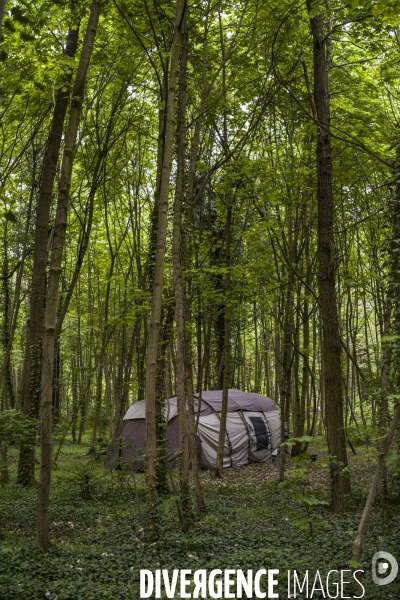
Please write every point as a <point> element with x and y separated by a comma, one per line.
<point>2,3</point>
<point>277,348</point>
<point>301,415</point>
<point>8,388</point>
<point>4,475</point>
<point>155,320</point>
<point>227,338</point>
<point>31,403</point>
<point>192,425</point>
<point>286,383</point>
<point>17,294</point>
<point>340,482</point>
<point>384,410</point>
<point>59,231</point>
<point>162,391</point>
<point>56,396</point>
<point>185,499</point>
<point>102,356</point>
<point>358,543</point>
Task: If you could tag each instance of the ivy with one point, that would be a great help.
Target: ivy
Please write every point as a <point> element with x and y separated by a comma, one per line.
<point>16,428</point>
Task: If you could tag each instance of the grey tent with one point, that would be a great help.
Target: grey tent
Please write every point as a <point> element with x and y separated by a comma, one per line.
<point>252,431</point>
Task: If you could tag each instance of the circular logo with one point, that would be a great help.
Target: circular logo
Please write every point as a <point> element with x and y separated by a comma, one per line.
<point>382,568</point>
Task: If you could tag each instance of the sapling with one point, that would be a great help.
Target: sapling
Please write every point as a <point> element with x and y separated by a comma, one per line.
<point>296,485</point>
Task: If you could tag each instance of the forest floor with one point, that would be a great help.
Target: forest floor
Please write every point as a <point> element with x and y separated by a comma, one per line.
<point>250,522</point>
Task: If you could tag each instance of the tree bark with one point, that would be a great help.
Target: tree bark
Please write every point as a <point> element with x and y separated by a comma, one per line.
<point>60,224</point>
<point>4,474</point>
<point>2,3</point>
<point>31,403</point>
<point>340,482</point>
<point>155,319</point>
<point>102,355</point>
<point>7,334</point>
<point>185,499</point>
<point>227,338</point>
<point>384,410</point>
<point>300,420</point>
<point>163,390</point>
<point>286,383</point>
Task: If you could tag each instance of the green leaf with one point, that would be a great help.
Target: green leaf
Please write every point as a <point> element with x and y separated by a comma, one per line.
<point>27,37</point>
<point>9,215</point>
<point>9,25</point>
<point>19,15</point>
<point>354,564</point>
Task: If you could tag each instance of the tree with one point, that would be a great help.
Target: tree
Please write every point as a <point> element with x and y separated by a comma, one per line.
<point>58,239</point>
<point>153,338</point>
<point>331,345</point>
<point>26,465</point>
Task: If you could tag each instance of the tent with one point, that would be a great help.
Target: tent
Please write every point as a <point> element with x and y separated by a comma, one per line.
<point>252,431</point>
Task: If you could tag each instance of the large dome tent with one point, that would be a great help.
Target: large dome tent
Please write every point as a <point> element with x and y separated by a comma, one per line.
<point>252,431</point>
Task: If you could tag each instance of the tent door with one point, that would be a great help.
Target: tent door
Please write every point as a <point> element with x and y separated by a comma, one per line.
<point>261,432</point>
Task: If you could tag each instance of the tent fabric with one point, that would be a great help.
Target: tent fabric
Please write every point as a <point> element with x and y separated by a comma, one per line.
<point>211,402</point>
<point>138,411</point>
<point>252,431</point>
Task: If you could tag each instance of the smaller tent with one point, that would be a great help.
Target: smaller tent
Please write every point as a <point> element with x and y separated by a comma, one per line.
<point>252,431</point>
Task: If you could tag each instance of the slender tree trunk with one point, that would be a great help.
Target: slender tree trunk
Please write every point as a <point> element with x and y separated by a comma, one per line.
<point>2,3</point>
<point>296,387</point>
<point>227,337</point>
<point>4,474</point>
<point>226,358</point>
<point>59,231</point>
<point>163,348</point>
<point>102,356</point>
<point>74,395</point>
<point>30,406</point>
<point>340,482</point>
<point>17,291</point>
<point>199,319</point>
<point>155,320</point>
<point>257,370</point>
<point>56,396</point>
<point>192,426</point>
<point>286,384</point>
<point>185,499</point>
<point>206,356</point>
<point>358,542</point>
<point>277,349</point>
<point>8,387</point>
<point>384,410</point>
<point>301,415</point>
<point>124,395</point>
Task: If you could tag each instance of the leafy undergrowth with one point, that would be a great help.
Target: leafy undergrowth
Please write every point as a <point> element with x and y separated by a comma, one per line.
<point>250,522</point>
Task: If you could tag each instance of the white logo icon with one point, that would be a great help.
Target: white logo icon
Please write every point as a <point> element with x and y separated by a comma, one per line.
<point>382,568</point>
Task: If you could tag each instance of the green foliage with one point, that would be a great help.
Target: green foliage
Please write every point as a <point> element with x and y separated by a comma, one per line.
<point>9,215</point>
<point>393,459</point>
<point>361,435</point>
<point>388,9</point>
<point>86,481</point>
<point>297,484</point>
<point>99,546</point>
<point>304,439</point>
<point>16,428</point>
